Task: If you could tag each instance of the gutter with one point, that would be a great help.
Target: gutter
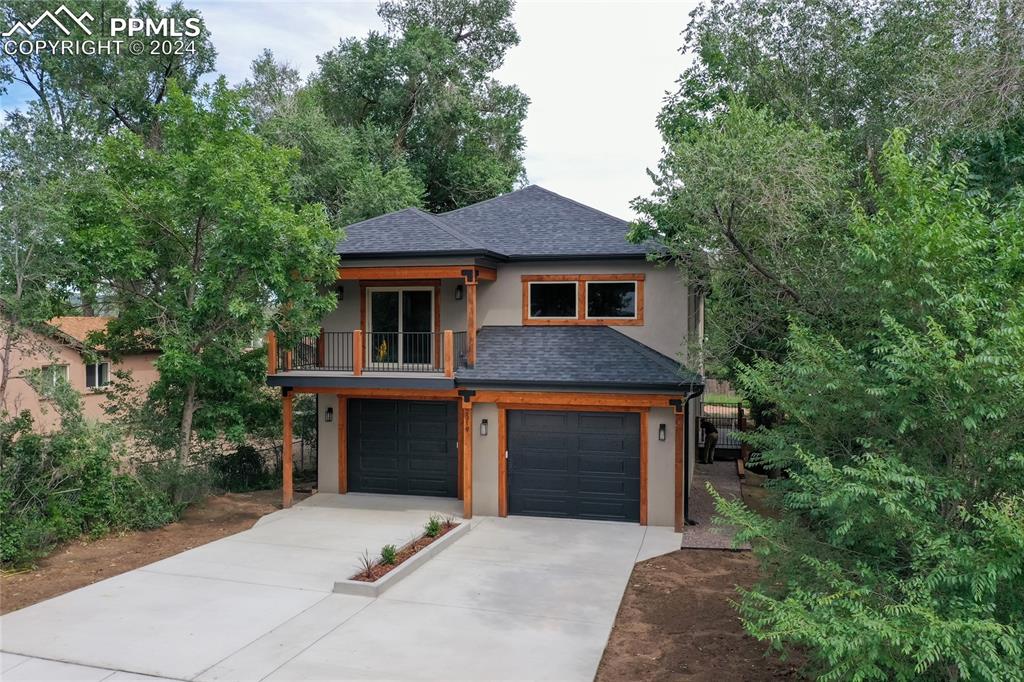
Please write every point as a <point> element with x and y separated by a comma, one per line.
<point>687,451</point>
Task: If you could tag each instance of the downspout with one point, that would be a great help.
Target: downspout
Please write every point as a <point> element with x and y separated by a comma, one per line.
<point>687,451</point>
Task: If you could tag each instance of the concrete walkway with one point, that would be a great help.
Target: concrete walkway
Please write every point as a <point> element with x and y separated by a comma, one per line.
<point>707,534</point>
<point>515,598</point>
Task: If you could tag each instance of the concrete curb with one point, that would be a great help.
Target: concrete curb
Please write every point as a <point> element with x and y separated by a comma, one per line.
<point>359,588</point>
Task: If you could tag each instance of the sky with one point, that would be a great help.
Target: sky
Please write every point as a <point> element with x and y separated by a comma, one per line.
<point>596,74</point>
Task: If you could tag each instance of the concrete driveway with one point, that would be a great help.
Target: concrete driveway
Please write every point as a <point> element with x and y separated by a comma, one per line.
<point>515,598</point>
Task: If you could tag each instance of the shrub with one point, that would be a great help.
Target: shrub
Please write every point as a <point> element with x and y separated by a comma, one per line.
<point>433,527</point>
<point>388,555</point>
<point>242,470</point>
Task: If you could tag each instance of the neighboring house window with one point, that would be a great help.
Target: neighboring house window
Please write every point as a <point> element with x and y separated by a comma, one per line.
<point>607,299</point>
<point>553,300</point>
<point>97,374</point>
<point>52,375</point>
<point>611,299</point>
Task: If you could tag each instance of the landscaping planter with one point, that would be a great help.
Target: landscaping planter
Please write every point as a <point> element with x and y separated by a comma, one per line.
<point>362,588</point>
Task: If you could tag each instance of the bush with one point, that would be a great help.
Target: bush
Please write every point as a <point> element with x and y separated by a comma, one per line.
<point>59,486</point>
<point>388,554</point>
<point>243,470</point>
<point>433,527</point>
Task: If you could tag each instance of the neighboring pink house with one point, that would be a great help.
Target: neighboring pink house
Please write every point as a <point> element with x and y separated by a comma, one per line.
<point>63,350</point>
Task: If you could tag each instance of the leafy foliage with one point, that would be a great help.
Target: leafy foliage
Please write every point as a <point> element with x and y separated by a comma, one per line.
<point>388,555</point>
<point>900,550</point>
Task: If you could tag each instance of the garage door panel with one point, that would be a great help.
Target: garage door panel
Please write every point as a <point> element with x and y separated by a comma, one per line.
<point>574,464</point>
<point>403,447</point>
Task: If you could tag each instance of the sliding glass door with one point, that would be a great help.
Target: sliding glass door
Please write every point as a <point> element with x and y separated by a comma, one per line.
<point>401,326</point>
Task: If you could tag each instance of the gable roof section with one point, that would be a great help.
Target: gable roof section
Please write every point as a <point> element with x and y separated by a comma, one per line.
<point>571,356</point>
<point>530,223</point>
<point>76,328</point>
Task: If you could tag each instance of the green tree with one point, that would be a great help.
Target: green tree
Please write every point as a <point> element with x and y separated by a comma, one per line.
<point>204,250</point>
<point>424,90</point>
<point>899,554</point>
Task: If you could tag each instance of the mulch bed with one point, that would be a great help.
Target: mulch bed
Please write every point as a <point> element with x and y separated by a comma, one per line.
<point>407,551</point>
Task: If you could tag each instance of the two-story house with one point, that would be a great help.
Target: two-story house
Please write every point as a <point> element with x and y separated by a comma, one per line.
<point>519,354</point>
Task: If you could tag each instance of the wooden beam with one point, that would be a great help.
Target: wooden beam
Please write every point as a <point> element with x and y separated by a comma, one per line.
<point>467,458</point>
<point>271,353</point>
<point>357,352</point>
<point>644,438</point>
<point>471,322</point>
<point>679,482</point>
<point>449,353</point>
<point>342,445</point>
<point>502,462</point>
<point>286,451</point>
<point>590,400</point>
<point>413,272</point>
<point>387,393</point>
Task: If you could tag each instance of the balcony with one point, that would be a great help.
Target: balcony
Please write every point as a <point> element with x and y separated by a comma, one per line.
<point>357,353</point>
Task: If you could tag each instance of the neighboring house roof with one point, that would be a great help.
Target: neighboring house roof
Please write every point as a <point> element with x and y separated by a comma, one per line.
<point>571,356</point>
<point>78,327</point>
<point>530,223</point>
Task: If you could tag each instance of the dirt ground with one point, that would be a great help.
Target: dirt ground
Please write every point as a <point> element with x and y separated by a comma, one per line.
<point>84,562</point>
<point>676,621</point>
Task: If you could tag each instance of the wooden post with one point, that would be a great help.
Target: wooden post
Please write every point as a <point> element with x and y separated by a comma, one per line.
<point>449,353</point>
<point>286,450</point>
<point>320,350</point>
<point>467,458</point>
<point>342,445</point>
<point>471,321</point>
<point>287,360</point>
<point>679,473</point>
<point>271,353</point>
<point>357,352</point>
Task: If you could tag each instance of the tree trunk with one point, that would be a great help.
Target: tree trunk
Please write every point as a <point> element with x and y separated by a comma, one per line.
<point>185,445</point>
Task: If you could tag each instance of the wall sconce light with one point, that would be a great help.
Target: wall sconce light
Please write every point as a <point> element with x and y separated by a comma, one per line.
<point>483,427</point>
<point>459,289</point>
<point>341,293</point>
<point>329,414</point>
<point>661,432</point>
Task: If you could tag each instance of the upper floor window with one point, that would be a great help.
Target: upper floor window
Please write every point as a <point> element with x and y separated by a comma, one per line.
<point>52,376</point>
<point>97,374</point>
<point>608,299</point>
<point>553,300</point>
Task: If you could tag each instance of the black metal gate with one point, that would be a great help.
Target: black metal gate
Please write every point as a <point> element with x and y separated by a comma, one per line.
<point>729,418</point>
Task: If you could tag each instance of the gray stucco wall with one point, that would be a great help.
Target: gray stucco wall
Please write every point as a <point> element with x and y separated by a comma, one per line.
<point>661,489</point>
<point>485,460</point>
<point>327,445</point>
<point>345,317</point>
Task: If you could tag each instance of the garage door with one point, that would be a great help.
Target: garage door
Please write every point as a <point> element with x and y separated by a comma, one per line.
<point>574,464</point>
<point>402,447</point>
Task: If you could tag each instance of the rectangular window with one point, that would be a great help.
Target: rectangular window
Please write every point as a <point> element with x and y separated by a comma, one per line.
<point>611,300</point>
<point>553,300</point>
<point>52,375</point>
<point>97,374</point>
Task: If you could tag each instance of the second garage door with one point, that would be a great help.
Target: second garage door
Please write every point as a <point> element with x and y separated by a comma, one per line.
<point>574,464</point>
<point>403,447</point>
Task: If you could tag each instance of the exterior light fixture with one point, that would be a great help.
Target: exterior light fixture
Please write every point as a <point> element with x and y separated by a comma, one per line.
<point>661,432</point>
<point>329,414</point>
<point>483,427</point>
<point>459,289</point>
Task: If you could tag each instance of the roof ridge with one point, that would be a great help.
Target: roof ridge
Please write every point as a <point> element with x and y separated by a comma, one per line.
<point>486,201</point>
<point>573,201</point>
<point>461,236</point>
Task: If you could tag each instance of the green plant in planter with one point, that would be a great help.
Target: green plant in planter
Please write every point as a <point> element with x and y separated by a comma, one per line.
<point>448,521</point>
<point>388,555</point>
<point>433,527</point>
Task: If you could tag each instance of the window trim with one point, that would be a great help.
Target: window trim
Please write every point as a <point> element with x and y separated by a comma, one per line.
<point>581,281</point>
<point>529,300</point>
<point>636,298</point>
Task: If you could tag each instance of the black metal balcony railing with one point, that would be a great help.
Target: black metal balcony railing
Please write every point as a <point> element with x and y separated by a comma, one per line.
<point>381,352</point>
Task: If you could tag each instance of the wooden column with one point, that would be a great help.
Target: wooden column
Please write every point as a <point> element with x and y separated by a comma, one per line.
<point>680,453</point>
<point>271,353</point>
<point>287,360</point>
<point>467,458</point>
<point>286,450</point>
<point>449,353</point>
<point>357,352</point>
<point>471,321</point>
<point>342,445</point>
<point>643,467</point>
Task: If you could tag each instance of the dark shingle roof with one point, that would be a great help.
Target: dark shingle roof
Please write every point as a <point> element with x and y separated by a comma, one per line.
<point>530,222</point>
<point>571,356</point>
